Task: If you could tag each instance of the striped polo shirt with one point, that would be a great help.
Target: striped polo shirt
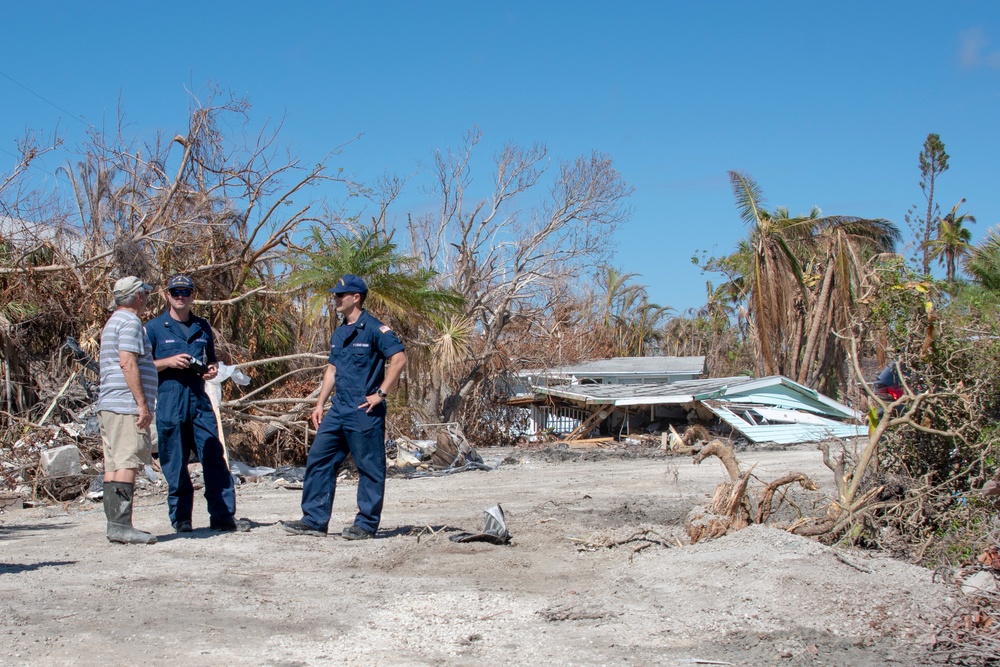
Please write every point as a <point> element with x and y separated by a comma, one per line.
<point>124,333</point>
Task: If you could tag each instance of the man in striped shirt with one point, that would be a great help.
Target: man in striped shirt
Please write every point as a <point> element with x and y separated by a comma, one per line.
<point>125,406</point>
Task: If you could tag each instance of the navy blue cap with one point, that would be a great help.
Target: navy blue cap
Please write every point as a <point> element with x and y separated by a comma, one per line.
<point>180,281</point>
<point>350,283</point>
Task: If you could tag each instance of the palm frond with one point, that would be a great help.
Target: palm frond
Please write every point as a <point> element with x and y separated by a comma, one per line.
<point>749,198</point>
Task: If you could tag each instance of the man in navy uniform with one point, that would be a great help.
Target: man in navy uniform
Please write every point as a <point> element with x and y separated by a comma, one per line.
<point>366,360</point>
<point>184,354</point>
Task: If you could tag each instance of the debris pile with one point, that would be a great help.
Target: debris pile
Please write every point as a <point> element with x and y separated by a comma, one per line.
<point>449,452</point>
<point>972,635</point>
<point>50,463</point>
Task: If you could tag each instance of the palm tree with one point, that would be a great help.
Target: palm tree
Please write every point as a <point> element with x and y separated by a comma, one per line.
<point>397,287</point>
<point>628,318</point>
<point>983,262</point>
<point>843,245</point>
<point>774,284</point>
<point>953,240</point>
<point>791,318</point>
<point>644,328</point>
<point>618,298</point>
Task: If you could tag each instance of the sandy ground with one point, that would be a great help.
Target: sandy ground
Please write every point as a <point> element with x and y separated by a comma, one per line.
<point>757,597</point>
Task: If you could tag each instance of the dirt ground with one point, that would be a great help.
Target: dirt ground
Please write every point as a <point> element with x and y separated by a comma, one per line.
<point>413,597</point>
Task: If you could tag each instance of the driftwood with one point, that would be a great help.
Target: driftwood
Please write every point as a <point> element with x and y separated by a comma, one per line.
<point>732,508</point>
<point>643,539</point>
<point>728,509</point>
<point>764,506</point>
<point>725,454</point>
<point>584,443</point>
<point>688,443</point>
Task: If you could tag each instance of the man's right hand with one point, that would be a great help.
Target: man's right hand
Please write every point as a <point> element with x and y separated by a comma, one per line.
<point>177,361</point>
<point>145,418</point>
<point>316,417</point>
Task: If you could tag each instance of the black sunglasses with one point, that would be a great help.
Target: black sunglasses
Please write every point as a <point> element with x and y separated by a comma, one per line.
<point>181,292</point>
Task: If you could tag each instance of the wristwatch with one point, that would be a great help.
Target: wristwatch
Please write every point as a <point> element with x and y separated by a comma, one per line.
<point>381,393</point>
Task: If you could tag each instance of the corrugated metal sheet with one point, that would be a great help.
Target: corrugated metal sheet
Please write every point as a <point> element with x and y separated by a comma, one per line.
<point>771,409</point>
<point>641,394</point>
<point>787,434</point>
<point>780,391</point>
<point>624,367</point>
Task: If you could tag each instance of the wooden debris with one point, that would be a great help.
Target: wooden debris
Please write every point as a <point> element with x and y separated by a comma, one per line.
<point>689,442</point>
<point>586,443</point>
<point>56,398</point>
<point>764,507</point>
<point>62,487</point>
<point>847,561</point>
<point>725,454</point>
<point>643,539</point>
<point>587,424</point>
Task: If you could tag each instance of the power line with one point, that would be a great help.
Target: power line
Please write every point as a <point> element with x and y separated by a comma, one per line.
<point>47,101</point>
<point>35,166</point>
<point>54,105</point>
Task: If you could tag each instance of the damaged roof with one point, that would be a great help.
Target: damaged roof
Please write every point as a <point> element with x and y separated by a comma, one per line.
<point>625,367</point>
<point>770,409</point>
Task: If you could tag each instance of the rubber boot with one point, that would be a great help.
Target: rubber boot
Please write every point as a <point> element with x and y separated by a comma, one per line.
<point>118,509</point>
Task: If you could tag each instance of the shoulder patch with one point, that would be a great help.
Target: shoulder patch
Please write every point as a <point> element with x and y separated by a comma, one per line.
<point>384,328</point>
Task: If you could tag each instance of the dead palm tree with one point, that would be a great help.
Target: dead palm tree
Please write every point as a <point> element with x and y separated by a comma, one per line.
<point>774,283</point>
<point>843,245</point>
<point>645,328</point>
<point>801,279</point>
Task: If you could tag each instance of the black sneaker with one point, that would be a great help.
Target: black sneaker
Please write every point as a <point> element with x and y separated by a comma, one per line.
<point>230,525</point>
<point>356,533</point>
<point>182,527</point>
<point>302,528</point>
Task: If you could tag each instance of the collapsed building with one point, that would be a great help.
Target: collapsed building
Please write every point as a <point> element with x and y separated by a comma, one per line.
<point>627,396</point>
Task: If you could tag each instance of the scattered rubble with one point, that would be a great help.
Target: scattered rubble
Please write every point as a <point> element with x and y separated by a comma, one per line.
<point>64,460</point>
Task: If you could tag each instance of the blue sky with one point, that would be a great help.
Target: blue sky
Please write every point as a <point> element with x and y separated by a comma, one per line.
<point>823,104</point>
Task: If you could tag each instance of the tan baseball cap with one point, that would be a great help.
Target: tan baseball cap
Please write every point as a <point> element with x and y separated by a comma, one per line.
<point>128,286</point>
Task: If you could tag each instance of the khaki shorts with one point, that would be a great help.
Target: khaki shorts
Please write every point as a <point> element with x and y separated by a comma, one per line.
<point>125,445</point>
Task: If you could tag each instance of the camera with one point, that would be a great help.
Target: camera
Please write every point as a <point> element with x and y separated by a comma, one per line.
<point>198,366</point>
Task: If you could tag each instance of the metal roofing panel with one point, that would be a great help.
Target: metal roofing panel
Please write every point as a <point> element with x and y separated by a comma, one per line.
<point>642,394</point>
<point>788,416</point>
<point>627,366</point>
<point>786,434</point>
<point>781,391</point>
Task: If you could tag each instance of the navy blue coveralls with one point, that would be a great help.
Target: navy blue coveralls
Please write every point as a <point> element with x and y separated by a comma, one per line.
<point>185,420</point>
<point>358,352</point>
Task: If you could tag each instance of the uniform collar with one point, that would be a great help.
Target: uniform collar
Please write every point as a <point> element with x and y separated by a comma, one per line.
<point>360,322</point>
<point>169,321</point>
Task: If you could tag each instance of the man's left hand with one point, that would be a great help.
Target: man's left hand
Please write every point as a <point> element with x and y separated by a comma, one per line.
<point>213,370</point>
<point>370,403</point>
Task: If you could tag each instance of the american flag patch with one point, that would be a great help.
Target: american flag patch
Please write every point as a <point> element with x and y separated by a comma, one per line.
<point>384,328</point>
